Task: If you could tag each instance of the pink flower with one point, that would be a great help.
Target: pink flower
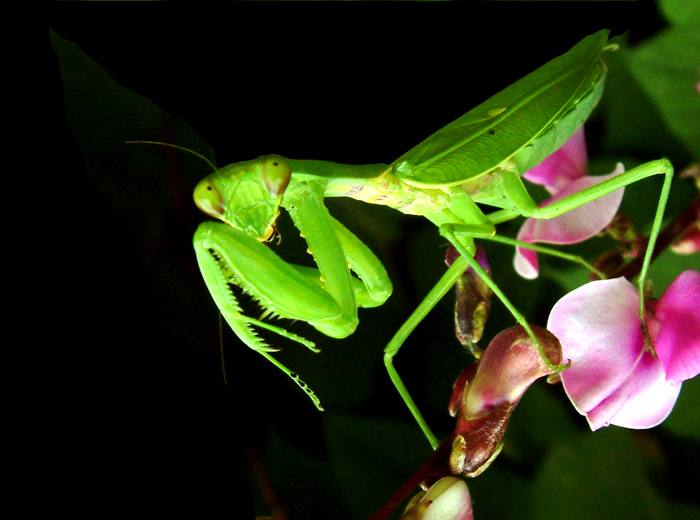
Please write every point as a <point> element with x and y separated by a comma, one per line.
<point>614,378</point>
<point>447,499</point>
<point>564,173</point>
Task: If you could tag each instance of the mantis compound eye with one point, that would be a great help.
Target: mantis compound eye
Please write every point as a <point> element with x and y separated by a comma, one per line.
<point>276,173</point>
<point>208,198</point>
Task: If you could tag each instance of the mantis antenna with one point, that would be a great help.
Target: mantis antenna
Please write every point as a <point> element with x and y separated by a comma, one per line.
<point>221,341</point>
<point>179,148</point>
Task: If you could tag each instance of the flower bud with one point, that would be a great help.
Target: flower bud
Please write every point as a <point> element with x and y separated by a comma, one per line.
<point>484,401</point>
<point>689,240</point>
<point>473,301</point>
<point>631,243</point>
<point>447,499</point>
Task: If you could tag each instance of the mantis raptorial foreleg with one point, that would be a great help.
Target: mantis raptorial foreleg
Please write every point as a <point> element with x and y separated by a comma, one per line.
<point>327,297</point>
<point>257,269</point>
<point>314,222</point>
<point>376,286</point>
<point>460,237</point>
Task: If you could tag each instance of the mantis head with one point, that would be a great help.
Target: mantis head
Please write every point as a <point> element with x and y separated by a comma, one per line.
<point>246,195</point>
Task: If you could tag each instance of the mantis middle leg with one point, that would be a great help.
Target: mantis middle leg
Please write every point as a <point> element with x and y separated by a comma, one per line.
<point>480,228</point>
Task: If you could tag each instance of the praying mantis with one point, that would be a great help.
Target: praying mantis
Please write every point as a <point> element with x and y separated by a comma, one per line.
<point>477,159</point>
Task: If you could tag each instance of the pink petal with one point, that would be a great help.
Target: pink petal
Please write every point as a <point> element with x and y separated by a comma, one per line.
<point>574,226</point>
<point>563,166</point>
<point>678,342</point>
<point>600,332</point>
<point>526,263</point>
<point>644,400</point>
<point>578,224</point>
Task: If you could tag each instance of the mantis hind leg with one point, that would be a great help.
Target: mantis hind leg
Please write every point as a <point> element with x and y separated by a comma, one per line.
<point>658,167</point>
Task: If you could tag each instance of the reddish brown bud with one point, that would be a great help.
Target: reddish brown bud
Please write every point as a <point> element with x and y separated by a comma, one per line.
<point>484,401</point>
<point>473,301</point>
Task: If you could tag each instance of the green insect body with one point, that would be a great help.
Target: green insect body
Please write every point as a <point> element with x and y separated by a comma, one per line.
<point>479,158</point>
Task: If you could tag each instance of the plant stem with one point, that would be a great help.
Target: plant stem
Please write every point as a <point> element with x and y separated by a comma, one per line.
<point>434,468</point>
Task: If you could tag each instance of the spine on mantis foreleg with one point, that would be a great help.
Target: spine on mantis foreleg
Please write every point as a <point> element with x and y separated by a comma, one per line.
<point>218,279</point>
<point>217,282</point>
<point>376,286</point>
<point>279,288</point>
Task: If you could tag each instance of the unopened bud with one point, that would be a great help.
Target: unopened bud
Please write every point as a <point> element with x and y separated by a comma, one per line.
<point>484,400</point>
<point>473,301</point>
<point>447,499</point>
<point>689,240</point>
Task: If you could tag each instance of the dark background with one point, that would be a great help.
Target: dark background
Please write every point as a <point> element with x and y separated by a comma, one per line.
<point>146,416</point>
